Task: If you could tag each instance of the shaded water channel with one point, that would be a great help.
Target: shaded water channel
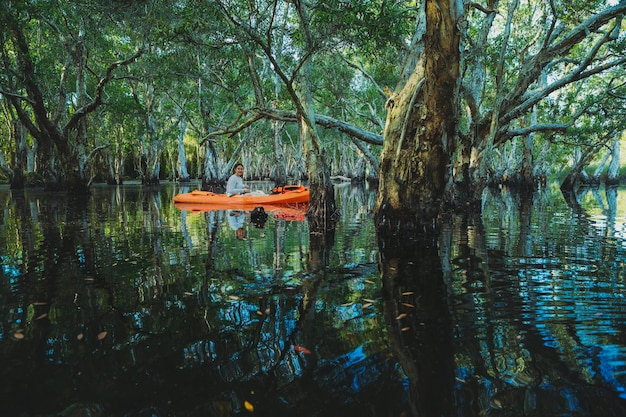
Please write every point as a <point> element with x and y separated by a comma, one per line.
<point>129,306</point>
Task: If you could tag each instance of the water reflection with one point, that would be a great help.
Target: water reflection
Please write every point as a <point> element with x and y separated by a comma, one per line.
<point>129,306</point>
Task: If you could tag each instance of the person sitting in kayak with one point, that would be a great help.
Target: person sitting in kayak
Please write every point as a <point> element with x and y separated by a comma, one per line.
<point>235,185</point>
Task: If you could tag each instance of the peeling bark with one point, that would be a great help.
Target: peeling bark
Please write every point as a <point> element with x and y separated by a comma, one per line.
<point>420,129</point>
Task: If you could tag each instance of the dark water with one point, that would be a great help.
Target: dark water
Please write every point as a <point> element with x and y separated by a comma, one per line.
<point>131,307</point>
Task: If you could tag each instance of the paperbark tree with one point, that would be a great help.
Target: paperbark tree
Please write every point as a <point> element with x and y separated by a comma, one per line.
<point>421,125</point>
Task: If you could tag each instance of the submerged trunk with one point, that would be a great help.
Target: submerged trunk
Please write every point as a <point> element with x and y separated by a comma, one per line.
<point>421,125</point>
<point>322,203</point>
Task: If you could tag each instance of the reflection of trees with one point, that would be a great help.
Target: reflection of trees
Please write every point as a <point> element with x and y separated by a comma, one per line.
<point>524,305</point>
<point>127,298</point>
<point>418,321</point>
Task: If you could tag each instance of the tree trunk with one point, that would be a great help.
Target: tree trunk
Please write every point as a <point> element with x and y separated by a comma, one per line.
<point>152,146</point>
<point>322,202</point>
<point>578,170</point>
<point>211,163</point>
<point>420,129</point>
<point>612,174</point>
<point>280,169</point>
<point>181,165</point>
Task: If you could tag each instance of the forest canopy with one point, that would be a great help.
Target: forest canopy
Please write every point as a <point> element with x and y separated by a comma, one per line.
<point>153,90</point>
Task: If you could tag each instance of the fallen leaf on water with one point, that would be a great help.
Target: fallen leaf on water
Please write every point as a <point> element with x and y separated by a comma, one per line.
<point>18,335</point>
<point>369,281</point>
<point>408,305</point>
<point>188,293</point>
<point>39,303</point>
<point>43,316</point>
<point>102,335</point>
<point>248,406</point>
<point>80,336</point>
<point>369,300</point>
<point>404,329</point>
<point>267,311</point>
<point>233,297</point>
<point>401,316</point>
<point>347,304</point>
<point>366,305</point>
<point>407,293</point>
<point>301,349</point>
<point>259,312</point>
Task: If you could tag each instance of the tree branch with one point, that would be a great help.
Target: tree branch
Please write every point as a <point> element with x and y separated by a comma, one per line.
<point>97,101</point>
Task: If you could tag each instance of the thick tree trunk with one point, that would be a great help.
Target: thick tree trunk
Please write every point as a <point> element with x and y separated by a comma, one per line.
<point>321,214</point>
<point>322,203</point>
<point>421,126</point>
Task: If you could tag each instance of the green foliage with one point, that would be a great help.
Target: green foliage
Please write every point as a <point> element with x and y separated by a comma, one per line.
<point>194,54</point>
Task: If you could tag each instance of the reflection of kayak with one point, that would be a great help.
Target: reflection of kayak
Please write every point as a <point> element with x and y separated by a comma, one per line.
<point>280,195</point>
<point>295,211</point>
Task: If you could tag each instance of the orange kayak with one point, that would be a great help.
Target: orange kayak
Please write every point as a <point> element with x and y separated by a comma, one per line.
<point>281,195</point>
